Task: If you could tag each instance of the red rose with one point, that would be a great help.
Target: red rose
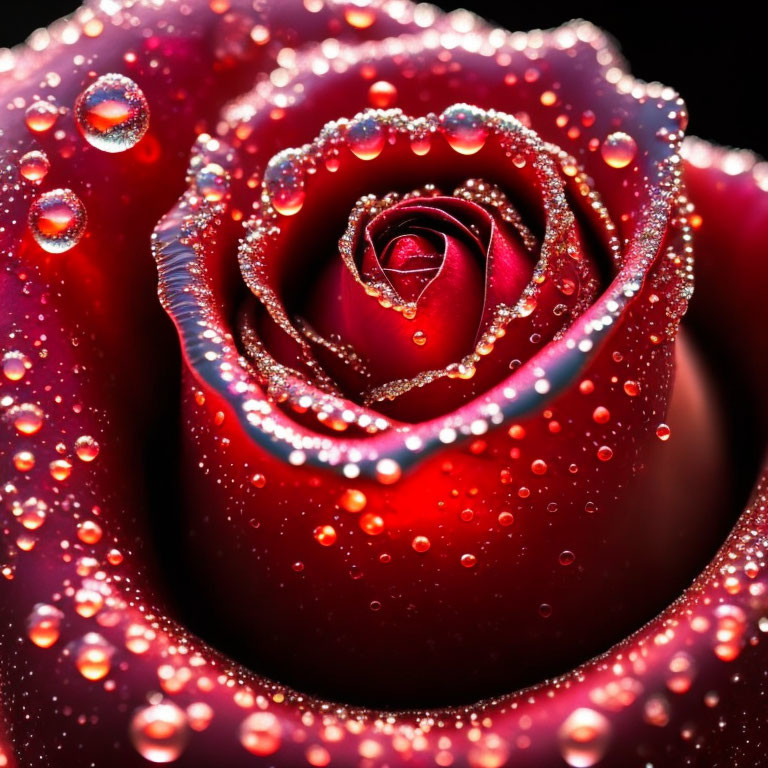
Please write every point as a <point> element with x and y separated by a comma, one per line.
<point>427,291</point>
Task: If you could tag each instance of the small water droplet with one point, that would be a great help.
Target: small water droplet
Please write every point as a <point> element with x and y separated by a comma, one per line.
<point>663,432</point>
<point>40,116</point>
<point>353,501</point>
<point>212,182</point>
<point>325,535</point>
<point>566,557</point>
<point>57,220</point>
<point>112,113</point>
<point>382,94</point>
<point>34,165</point>
<point>43,625</point>
<point>420,543</point>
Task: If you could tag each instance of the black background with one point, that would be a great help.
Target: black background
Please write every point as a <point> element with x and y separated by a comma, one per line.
<point>717,60</point>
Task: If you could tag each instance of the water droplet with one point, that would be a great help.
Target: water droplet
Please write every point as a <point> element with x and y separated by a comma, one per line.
<point>32,513</point>
<point>94,657</point>
<point>260,733</point>
<point>86,448</point>
<point>388,471</point>
<point>729,634</point>
<point>682,670</point>
<point>24,461</point>
<point>382,94</point>
<point>605,453</point>
<point>212,182</point>
<point>57,220</point>
<point>566,557</point>
<point>284,182</point>
<point>366,137</point>
<point>88,602</point>
<point>112,113</point>
<point>89,532</point>
<point>34,165</point>
<point>618,149</point>
<point>468,560</point>
<point>656,711</point>
<point>325,535</point>
<point>43,625</point>
<point>663,432</point>
<point>160,732</point>
<point>584,737</point>
<point>420,145</point>
<point>372,524</point>
<point>464,128</point>
<point>359,16</point>
<point>420,543</point>
<point>539,467</point>
<point>40,116</point>
<point>15,365</point>
<point>27,418</point>
<point>353,501</point>
<point>60,469</point>
<point>545,610</point>
<point>199,715</point>
<point>506,518</point>
<point>419,338</point>
<point>631,388</point>
<point>601,415</point>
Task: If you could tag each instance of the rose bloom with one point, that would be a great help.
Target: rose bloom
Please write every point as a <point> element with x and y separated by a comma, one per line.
<point>413,461</point>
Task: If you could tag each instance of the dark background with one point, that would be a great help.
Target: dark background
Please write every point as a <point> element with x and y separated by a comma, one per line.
<point>718,61</point>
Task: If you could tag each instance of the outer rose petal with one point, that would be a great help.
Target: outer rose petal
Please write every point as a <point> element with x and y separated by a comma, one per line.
<point>57,717</point>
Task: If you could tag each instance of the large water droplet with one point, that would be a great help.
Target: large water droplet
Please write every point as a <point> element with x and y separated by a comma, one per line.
<point>112,113</point>
<point>160,732</point>
<point>94,657</point>
<point>57,220</point>
<point>464,128</point>
<point>212,181</point>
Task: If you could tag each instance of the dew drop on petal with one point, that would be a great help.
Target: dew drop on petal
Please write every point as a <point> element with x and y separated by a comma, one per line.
<point>353,501</point>
<point>27,418</point>
<point>212,182</point>
<point>464,128</point>
<point>32,513</point>
<point>15,365</point>
<point>325,535</point>
<point>40,116</point>
<point>86,448</point>
<point>34,165</point>
<point>583,738</point>
<point>43,625</point>
<point>618,149</point>
<point>260,733</point>
<point>366,137</point>
<point>160,732</point>
<point>284,182</point>
<point>57,220</point>
<point>94,657</point>
<point>112,113</point>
